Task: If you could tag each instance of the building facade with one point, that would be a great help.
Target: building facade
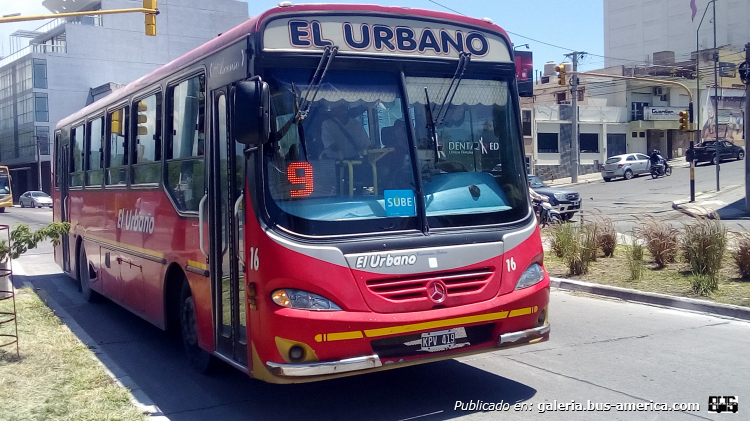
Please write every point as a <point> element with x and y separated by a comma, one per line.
<point>71,62</point>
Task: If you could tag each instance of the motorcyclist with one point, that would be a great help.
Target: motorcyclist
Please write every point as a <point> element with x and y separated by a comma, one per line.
<point>657,159</point>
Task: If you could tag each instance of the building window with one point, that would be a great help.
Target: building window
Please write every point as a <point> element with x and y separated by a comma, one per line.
<point>636,110</point>
<point>186,143</point>
<point>76,171</point>
<point>41,107</point>
<point>40,73</point>
<point>641,134</point>
<point>526,122</point>
<point>6,83</point>
<point>94,157</point>
<point>547,143</point>
<point>561,97</point>
<point>589,142</point>
<point>634,134</point>
<point>42,138</point>
<point>23,76</point>
<point>116,156</point>
<point>25,108</point>
<point>580,93</point>
<point>147,148</point>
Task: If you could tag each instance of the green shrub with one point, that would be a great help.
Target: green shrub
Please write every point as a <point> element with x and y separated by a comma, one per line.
<point>635,258</point>
<point>741,255</point>
<point>579,248</point>
<point>662,241</point>
<point>588,235</point>
<point>704,284</point>
<point>562,239</point>
<point>606,237</point>
<point>703,246</point>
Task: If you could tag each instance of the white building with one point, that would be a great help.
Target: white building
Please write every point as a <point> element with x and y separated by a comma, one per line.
<point>636,29</point>
<point>69,62</point>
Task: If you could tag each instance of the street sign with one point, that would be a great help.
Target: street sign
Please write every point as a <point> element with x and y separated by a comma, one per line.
<point>745,72</point>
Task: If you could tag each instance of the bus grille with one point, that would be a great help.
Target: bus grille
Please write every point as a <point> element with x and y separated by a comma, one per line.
<point>411,288</point>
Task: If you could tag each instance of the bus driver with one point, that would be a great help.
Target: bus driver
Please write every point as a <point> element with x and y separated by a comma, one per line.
<point>343,137</point>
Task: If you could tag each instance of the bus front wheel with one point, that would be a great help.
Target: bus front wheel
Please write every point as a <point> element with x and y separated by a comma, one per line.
<point>199,359</point>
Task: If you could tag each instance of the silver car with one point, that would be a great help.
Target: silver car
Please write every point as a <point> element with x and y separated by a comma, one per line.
<point>627,166</point>
<point>35,199</point>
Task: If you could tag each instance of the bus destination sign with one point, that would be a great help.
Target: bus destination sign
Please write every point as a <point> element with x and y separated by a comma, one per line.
<point>383,36</point>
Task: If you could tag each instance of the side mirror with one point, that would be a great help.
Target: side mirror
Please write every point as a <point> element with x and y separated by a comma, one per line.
<point>251,112</point>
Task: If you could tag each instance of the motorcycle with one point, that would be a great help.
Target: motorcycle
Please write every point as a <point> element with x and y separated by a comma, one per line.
<point>660,169</point>
<point>546,215</point>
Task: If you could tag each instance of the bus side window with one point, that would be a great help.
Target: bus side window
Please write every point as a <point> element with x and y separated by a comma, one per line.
<point>186,142</point>
<point>93,161</point>
<point>76,170</point>
<point>57,160</point>
<point>146,152</point>
<point>116,157</point>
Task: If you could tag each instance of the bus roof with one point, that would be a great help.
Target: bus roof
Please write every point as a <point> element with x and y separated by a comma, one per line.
<point>254,25</point>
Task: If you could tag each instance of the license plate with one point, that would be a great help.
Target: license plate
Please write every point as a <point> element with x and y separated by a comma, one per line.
<point>438,341</point>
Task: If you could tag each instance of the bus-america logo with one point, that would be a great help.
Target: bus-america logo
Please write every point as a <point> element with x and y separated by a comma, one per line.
<point>401,38</point>
<point>130,221</point>
<point>380,260</point>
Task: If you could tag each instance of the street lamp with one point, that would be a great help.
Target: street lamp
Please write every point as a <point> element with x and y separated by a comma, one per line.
<point>716,87</point>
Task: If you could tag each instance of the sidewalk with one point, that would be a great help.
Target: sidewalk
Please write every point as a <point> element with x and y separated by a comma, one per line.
<point>728,204</point>
<point>597,176</point>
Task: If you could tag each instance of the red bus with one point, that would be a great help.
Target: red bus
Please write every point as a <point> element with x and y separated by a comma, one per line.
<point>321,191</point>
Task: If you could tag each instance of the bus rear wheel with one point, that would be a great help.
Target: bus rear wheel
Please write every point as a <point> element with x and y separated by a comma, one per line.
<point>84,277</point>
<point>200,360</point>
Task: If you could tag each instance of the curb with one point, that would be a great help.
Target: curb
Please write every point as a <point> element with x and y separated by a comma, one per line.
<point>705,210</point>
<point>138,397</point>
<point>627,294</point>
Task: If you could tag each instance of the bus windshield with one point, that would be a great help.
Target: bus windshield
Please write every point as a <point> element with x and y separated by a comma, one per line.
<point>349,166</point>
<point>4,185</point>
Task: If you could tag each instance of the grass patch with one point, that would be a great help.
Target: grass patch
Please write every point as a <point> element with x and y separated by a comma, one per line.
<point>674,278</point>
<point>56,377</point>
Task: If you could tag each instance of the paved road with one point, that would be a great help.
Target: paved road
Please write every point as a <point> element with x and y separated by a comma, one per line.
<point>626,200</point>
<point>601,350</point>
<point>34,218</point>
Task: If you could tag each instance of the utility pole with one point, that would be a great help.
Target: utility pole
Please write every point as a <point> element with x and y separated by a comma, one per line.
<point>716,104</point>
<point>745,124</point>
<point>574,117</point>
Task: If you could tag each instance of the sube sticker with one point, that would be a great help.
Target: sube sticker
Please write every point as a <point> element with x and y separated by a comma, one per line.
<point>399,203</point>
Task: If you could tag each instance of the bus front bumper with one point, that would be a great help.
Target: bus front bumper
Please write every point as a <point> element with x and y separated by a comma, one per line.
<point>506,340</point>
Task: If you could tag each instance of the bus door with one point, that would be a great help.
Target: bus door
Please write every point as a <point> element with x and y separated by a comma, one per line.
<point>64,174</point>
<point>226,184</point>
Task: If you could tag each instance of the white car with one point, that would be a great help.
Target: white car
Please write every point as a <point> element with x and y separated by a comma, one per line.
<point>35,199</point>
<point>626,166</point>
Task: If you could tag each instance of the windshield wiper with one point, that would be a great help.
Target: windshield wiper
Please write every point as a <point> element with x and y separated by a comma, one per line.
<point>457,76</point>
<point>304,106</point>
<point>463,62</point>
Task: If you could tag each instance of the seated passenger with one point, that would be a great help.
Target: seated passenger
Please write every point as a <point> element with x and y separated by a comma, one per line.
<point>394,168</point>
<point>344,137</point>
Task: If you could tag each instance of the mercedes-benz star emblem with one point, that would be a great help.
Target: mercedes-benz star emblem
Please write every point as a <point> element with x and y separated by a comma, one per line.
<point>436,291</point>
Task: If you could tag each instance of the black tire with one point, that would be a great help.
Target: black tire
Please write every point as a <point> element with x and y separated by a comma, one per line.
<point>607,179</point>
<point>668,171</point>
<point>84,278</point>
<point>20,202</point>
<point>555,219</point>
<point>33,204</point>
<point>2,210</point>
<point>654,174</point>
<point>628,175</point>
<point>200,360</point>
<point>715,160</point>
<point>740,155</point>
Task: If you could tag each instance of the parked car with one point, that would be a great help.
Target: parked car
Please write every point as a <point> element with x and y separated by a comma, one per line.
<point>706,152</point>
<point>627,166</point>
<point>565,201</point>
<point>35,199</point>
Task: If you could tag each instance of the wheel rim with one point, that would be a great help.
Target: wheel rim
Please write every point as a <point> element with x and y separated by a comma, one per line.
<point>740,155</point>
<point>189,332</point>
<point>628,174</point>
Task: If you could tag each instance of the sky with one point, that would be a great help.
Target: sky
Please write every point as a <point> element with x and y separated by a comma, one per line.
<point>551,28</point>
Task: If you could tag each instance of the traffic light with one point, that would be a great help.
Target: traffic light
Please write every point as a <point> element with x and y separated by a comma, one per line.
<point>142,119</point>
<point>684,120</point>
<point>150,17</point>
<point>561,78</point>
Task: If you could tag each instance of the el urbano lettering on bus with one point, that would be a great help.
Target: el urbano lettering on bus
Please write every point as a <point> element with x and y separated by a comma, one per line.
<point>130,220</point>
<point>402,38</point>
<point>378,261</point>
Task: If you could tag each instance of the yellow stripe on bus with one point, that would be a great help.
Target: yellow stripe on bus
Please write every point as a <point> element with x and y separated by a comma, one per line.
<point>126,246</point>
<point>198,265</point>
<point>394,330</point>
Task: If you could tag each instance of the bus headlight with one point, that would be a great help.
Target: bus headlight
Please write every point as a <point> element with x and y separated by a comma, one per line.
<point>532,276</point>
<point>296,298</point>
